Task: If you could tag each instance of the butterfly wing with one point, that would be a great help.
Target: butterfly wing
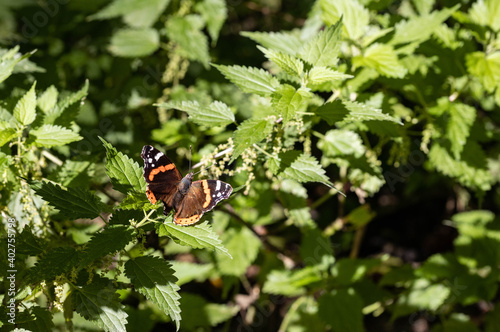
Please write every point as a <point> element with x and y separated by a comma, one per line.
<point>201,197</point>
<point>161,175</point>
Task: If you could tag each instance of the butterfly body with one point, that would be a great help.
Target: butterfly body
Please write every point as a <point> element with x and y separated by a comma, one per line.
<point>189,199</point>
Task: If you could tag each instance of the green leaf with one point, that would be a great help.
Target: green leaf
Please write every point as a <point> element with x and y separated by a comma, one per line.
<point>200,314</point>
<point>291,283</point>
<point>56,261</point>
<point>349,271</point>
<point>306,169</point>
<point>197,236</point>
<point>6,133</point>
<point>187,33</point>
<point>471,171</point>
<point>486,13</point>
<point>154,278</point>
<point>215,114</point>
<point>136,13</point>
<point>249,79</point>
<point>458,129</point>
<point>214,12</point>
<point>137,201</point>
<point>50,135</point>
<point>355,16</point>
<point>243,246</point>
<point>25,110</point>
<point>288,101</point>
<point>286,42</point>
<point>324,48</point>
<point>72,202</point>
<point>109,241</point>
<point>67,109</point>
<point>187,272</point>
<point>43,321</point>
<point>305,318</point>
<point>290,64</point>
<point>132,43</point>
<point>125,174</point>
<point>485,67</point>
<point>342,310</point>
<point>492,320</point>
<point>28,243</point>
<point>383,59</point>
<point>250,132</point>
<point>74,97</point>
<point>422,295</point>
<point>350,111</point>
<point>101,304</point>
<point>319,75</point>
<point>48,100</point>
<point>341,142</point>
<point>9,60</point>
<point>419,28</point>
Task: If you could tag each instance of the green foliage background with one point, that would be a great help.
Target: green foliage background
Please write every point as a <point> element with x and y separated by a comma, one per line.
<point>394,103</point>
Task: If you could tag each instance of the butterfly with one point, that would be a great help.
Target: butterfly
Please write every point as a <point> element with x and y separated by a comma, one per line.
<point>189,199</point>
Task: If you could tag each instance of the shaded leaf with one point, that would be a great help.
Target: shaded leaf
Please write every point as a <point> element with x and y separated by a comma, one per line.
<point>125,174</point>
<point>101,304</point>
<point>154,278</point>
<point>341,309</point>
<point>186,272</point>
<point>110,240</point>
<point>72,202</point>
<point>291,283</point>
<point>243,246</point>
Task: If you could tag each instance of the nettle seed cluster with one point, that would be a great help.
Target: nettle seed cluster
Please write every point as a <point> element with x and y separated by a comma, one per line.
<point>272,146</point>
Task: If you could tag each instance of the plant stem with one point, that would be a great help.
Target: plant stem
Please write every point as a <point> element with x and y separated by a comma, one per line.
<point>146,218</point>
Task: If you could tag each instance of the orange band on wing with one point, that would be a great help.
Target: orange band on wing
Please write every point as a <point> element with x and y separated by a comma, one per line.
<point>187,221</point>
<point>206,190</point>
<point>160,169</point>
<point>151,196</point>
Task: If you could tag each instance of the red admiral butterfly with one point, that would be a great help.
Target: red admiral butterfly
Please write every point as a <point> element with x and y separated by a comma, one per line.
<point>190,199</point>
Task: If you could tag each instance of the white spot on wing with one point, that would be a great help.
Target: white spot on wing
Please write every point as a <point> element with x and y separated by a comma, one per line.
<point>218,185</point>
<point>150,160</point>
<point>218,194</point>
<point>158,156</point>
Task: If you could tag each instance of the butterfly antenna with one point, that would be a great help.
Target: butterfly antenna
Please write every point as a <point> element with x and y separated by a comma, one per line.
<point>189,158</point>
